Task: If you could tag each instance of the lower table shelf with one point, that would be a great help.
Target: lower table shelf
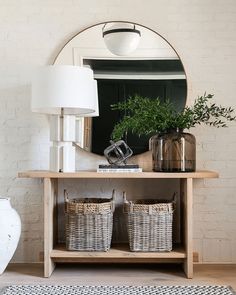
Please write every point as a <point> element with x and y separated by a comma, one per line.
<point>119,253</point>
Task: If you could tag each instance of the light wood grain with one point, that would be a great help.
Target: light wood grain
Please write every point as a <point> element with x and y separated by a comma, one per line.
<point>49,216</point>
<point>125,175</point>
<point>54,254</point>
<point>118,254</point>
<point>119,274</point>
<point>186,187</point>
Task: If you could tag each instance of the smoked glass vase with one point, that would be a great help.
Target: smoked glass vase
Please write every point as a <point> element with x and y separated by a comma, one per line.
<point>173,151</point>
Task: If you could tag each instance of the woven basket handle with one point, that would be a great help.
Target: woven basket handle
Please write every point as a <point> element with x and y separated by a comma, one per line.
<point>174,199</point>
<point>66,197</point>
<point>113,198</point>
<point>124,197</point>
<point>127,202</point>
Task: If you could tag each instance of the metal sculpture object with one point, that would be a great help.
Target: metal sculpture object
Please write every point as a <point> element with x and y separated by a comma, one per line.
<point>117,153</point>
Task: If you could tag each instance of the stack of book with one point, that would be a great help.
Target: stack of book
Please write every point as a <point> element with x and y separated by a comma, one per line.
<point>119,168</point>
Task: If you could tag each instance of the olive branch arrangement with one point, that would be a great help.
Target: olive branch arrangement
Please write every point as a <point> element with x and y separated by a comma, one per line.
<point>144,116</point>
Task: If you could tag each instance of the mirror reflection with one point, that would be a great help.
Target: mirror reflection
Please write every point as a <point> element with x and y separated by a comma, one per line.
<point>152,70</point>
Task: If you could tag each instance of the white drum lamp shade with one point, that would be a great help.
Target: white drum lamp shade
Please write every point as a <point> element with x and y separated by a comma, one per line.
<point>64,92</point>
<point>70,88</point>
<point>121,39</point>
<point>96,105</point>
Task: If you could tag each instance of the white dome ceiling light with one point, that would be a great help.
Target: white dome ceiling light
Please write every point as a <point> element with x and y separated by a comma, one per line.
<point>121,38</point>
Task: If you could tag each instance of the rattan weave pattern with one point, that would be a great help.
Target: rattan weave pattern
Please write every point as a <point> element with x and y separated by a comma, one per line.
<point>88,205</point>
<point>147,206</point>
<point>89,232</point>
<point>116,290</point>
<point>149,225</point>
<point>150,232</point>
<point>89,223</point>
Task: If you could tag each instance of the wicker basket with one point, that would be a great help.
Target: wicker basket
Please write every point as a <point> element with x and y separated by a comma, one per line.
<point>89,223</point>
<point>149,224</point>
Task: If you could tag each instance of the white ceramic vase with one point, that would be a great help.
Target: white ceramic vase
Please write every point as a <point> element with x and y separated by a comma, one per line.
<point>10,229</point>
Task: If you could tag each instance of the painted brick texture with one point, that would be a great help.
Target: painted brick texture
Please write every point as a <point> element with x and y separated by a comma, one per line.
<point>204,34</point>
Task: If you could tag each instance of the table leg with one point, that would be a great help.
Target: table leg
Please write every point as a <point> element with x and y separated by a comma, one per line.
<point>50,196</point>
<point>186,186</point>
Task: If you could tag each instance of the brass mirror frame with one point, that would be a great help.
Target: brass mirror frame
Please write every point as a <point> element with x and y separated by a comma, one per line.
<point>88,120</point>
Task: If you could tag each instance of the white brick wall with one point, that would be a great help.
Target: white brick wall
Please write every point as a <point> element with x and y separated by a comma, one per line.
<point>202,32</point>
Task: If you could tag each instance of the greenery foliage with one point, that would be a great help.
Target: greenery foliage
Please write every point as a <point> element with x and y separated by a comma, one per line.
<point>144,116</point>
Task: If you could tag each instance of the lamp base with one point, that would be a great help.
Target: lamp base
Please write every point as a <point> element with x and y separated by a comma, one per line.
<point>62,152</point>
<point>62,157</point>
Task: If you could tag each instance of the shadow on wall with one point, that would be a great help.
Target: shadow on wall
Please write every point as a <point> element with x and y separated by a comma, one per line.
<point>89,161</point>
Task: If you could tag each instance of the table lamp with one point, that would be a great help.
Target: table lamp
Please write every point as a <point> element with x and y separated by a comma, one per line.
<point>63,92</point>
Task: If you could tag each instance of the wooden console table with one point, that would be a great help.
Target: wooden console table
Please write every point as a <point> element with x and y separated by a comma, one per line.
<point>119,254</point>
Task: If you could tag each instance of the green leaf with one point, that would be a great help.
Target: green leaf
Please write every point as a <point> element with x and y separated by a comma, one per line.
<point>145,116</point>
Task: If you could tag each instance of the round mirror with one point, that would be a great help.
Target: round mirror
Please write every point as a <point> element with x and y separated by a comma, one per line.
<point>152,69</point>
